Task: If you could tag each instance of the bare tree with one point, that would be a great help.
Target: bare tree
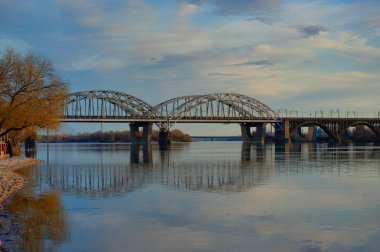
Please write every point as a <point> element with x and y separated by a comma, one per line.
<point>31,95</point>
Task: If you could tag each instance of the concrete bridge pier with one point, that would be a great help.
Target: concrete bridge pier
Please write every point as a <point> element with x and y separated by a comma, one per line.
<point>246,132</point>
<point>247,135</point>
<point>144,136</point>
<point>282,132</point>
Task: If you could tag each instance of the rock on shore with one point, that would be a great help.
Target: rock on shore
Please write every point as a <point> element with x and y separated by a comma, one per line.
<point>11,182</point>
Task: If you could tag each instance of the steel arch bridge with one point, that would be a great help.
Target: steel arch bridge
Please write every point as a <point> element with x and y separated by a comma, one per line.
<point>112,106</point>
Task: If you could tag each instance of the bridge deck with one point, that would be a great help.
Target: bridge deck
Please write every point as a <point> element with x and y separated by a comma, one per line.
<point>165,120</point>
<point>88,119</point>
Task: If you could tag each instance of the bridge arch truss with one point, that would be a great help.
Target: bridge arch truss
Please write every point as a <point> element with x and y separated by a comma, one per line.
<point>217,107</point>
<point>105,104</point>
<point>214,107</point>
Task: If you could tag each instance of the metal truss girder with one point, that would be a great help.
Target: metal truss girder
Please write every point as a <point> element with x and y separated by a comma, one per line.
<point>128,103</point>
<point>242,104</point>
<point>193,107</point>
<point>178,100</point>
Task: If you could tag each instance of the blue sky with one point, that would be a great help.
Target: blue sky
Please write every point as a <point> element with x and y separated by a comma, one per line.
<point>301,55</point>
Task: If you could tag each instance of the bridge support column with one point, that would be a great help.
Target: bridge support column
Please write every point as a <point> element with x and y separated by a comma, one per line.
<point>145,136</point>
<point>164,137</point>
<point>282,132</point>
<point>260,132</point>
<point>246,133</point>
<point>310,134</point>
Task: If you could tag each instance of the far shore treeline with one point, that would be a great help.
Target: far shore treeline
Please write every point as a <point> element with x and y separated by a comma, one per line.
<point>176,135</point>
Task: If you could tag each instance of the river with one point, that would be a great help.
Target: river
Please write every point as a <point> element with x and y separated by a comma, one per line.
<point>200,196</point>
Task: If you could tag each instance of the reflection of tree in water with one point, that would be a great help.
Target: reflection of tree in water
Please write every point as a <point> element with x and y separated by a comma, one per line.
<point>41,220</point>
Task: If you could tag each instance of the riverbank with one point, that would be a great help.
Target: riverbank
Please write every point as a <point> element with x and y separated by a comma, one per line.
<point>10,181</point>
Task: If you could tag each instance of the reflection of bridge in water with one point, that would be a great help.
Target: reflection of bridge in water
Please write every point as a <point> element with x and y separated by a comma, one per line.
<point>111,179</point>
<point>257,165</point>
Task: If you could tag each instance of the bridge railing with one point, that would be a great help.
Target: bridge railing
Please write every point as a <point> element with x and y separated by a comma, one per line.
<point>330,113</point>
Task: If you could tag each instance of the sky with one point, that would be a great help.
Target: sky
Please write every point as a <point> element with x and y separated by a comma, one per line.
<point>289,54</point>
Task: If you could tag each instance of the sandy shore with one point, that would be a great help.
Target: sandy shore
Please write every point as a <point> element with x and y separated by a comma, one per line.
<point>11,182</point>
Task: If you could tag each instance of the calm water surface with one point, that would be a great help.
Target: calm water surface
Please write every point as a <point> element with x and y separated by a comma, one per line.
<point>201,196</point>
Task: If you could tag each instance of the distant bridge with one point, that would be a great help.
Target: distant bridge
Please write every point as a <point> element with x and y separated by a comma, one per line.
<point>253,116</point>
